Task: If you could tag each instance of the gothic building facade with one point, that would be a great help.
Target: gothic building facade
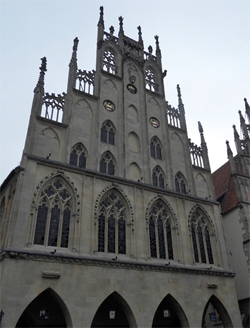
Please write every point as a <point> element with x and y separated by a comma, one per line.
<point>232,187</point>
<point>111,219</point>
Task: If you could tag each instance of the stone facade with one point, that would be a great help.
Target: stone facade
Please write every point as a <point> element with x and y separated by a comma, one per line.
<point>111,218</point>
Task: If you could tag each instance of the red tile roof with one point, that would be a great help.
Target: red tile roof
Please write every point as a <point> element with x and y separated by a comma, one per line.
<point>224,185</point>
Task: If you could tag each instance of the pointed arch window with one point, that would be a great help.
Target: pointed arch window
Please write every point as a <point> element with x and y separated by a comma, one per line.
<point>108,133</point>
<point>112,224</point>
<point>78,156</point>
<point>160,232</point>
<point>201,241</point>
<point>158,177</point>
<point>109,62</point>
<point>53,215</point>
<point>155,148</point>
<point>180,183</point>
<point>107,165</point>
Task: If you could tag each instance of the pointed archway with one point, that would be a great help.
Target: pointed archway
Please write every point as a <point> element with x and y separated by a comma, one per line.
<point>215,313</point>
<point>46,310</point>
<point>169,314</point>
<point>114,312</point>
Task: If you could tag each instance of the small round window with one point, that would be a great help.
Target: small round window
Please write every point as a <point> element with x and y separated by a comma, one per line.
<point>131,88</point>
<point>109,105</point>
<point>154,122</point>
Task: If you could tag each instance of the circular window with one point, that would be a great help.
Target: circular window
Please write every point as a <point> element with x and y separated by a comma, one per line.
<point>154,122</point>
<point>131,88</point>
<point>109,105</point>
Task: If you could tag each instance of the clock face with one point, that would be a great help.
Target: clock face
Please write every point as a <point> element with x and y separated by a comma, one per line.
<point>154,122</point>
<point>109,105</point>
<point>131,88</point>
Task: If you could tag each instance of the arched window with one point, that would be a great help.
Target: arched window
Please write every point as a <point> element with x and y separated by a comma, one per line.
<point>53,215</point>
<point>160,233</point>
<point>107,165</point>
<point>109,62</point>
<point>158,177</point>
<point>78,156</point>
<point>112,224</point>
<point>108,133</point>
<point>155,148</point>
<point>180,183</point>
<point>201,238</point>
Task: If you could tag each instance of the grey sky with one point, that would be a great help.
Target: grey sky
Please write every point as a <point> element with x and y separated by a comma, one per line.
<point>205,48</point>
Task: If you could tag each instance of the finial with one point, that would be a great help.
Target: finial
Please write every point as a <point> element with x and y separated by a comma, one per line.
<point>121,32</point>
<point>179,96</point>
<point>101,21</point>
<point>73,57</point>
<point>158,51</point>
<point>140,34</point>
<point>200,128</point>
<point>229,151</point>
<point>40,84</point>
<point>247,108</point>
<point>111,30</point>
<point>150,50</point>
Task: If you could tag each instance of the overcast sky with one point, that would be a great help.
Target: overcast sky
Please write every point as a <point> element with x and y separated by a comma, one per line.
<point>205,48</point>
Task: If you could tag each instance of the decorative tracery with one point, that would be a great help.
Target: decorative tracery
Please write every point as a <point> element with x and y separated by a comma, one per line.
<point>109,62</point>
<point>112,224</point>
<point>158,177</point>
<point>200,235</point>
<point>180,183</point>
<point>150,80</point>
<point>53,215</point>
<point>108,133</point>
<point>160,232</point>
<point>155,148</point>
<point>107,164</point>
<point>78,156</point>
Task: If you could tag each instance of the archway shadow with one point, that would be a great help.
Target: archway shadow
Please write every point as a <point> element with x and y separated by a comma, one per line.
<point>215,312</point>
<point>169,314</point>
<point>114,312</point>
<point>46,310</point>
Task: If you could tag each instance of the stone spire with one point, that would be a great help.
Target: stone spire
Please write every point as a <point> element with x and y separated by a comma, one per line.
<point>204,147</point>
<point>181,109</point>
<point>158,50</point>
<point>121,32</point>
<point>40,84</point>
<point>230,157</point>
<point>73,67</point>
<point>73,61</point>
<point>247,109</point>
<point>237,140</point>
<point>243,126</point>
<point>140,36</point>
<point>101,20</point>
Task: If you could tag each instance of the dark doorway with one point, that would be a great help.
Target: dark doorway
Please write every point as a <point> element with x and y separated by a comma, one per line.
<point>44,311</point>
<point>113,312</point>
<point>169,314</point>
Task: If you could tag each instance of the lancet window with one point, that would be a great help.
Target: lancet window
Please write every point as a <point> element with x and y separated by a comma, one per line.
<point>155,148</point>
<point>180,183</point>
<point>108,133</point>
<point>53,215</point>
<point>107,165</point>
<point>158,177</point>
<point>78,156</point>
<point>160,232</point>
<point>112,224</point>
<point>200,234</point>
<point>109,62</point>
